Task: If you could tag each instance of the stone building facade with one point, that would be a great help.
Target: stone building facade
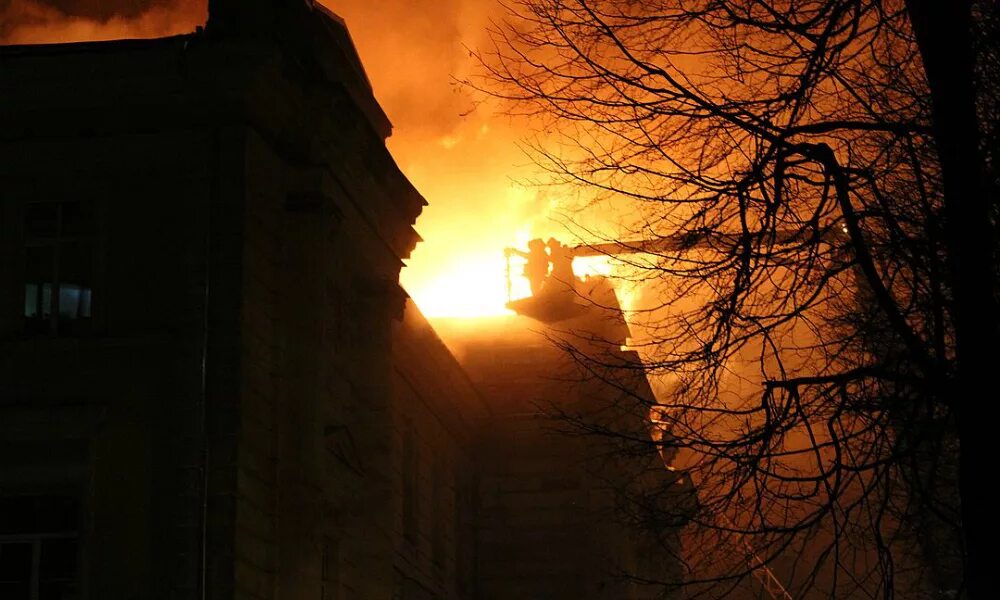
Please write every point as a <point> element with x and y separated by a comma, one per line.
<point>211,383</point>
<point>437,414</point>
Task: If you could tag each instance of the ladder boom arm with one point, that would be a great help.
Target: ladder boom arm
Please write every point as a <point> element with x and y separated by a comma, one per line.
<point>694,240</point>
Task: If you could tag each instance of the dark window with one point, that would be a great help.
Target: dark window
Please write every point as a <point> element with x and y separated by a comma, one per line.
<point>39,548</point>
<point>58,267</point>
<point>331,568</point>
<point>438,492</point>
<point>411,483</point>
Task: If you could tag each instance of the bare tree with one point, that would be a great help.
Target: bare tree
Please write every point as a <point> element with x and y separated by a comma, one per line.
<point>830,329</point>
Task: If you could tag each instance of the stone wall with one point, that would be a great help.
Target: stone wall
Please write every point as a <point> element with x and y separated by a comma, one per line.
<point>436,416</point>
<point>227,421</point>
<point>111,417</point>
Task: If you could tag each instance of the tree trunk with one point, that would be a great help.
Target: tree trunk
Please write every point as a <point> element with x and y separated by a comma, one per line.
<point>944,37</point>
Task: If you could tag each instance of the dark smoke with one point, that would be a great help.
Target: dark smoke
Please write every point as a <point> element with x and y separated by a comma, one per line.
<point>55,21</point>
<point>100,10</point>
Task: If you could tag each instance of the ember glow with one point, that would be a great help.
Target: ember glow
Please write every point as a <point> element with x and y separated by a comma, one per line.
<point>460,153</point>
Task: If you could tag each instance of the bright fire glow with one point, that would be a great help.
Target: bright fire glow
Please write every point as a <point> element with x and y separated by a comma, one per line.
<point>477,286</point>
<point>472,288</point>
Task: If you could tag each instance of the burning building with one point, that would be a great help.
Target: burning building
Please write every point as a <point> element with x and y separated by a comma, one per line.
<point>211,382</point>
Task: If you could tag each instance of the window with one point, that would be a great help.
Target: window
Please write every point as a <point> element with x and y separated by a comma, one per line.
<point>438,507</point>
<point>58,267</point>
<point>39,548</point>
<point>331,568</point>
<point>411,483</point>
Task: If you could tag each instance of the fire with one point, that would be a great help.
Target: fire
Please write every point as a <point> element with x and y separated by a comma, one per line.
<point>472,288</point>
<point>477,285</point>
<point>461,155</point>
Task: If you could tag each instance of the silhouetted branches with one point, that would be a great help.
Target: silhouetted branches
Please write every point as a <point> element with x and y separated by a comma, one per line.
<point>811,340</point>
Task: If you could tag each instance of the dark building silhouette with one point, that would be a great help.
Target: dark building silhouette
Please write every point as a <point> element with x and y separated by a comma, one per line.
<point>211,383</point>
<point>552,499</point>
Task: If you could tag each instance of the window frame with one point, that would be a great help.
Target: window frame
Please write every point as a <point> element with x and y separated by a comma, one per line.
<point>58,327</point>
<point>36,539</point>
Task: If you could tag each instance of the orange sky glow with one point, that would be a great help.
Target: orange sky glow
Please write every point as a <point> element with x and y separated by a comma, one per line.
<point>460,152</point>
